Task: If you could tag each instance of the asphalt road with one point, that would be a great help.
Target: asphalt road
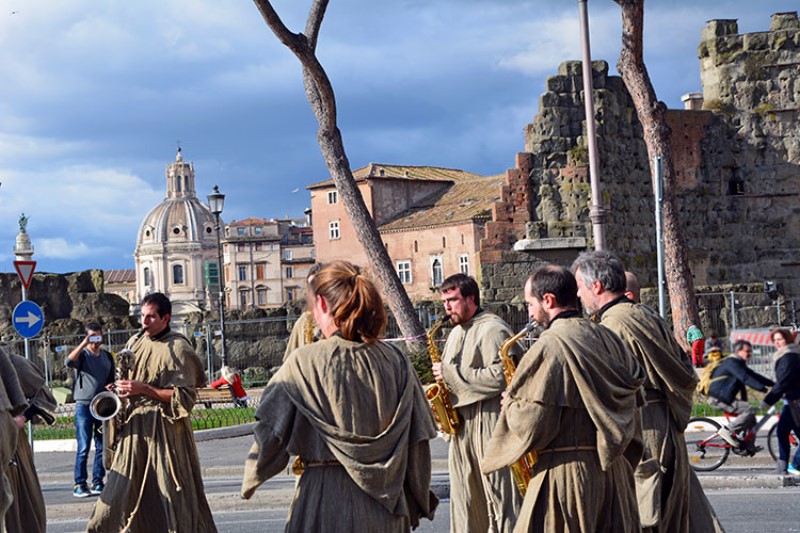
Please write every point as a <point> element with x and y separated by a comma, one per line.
<point>745,494</point>
<point>740,511</point>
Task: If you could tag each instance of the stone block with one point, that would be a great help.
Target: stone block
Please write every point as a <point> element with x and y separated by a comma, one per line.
<point>784,21</point>
<point>719,27</point>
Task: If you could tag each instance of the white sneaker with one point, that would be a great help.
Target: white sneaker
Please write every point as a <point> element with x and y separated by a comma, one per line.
<point>726,434</point>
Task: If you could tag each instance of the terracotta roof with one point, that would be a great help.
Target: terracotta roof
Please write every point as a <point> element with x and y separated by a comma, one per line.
<point>389,172</point>
<point>465,200</point>
<point>125,275</point>
<point>251,222</point>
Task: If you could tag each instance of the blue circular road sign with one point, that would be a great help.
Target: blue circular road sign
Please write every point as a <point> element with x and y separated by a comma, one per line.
<point>28,319</point>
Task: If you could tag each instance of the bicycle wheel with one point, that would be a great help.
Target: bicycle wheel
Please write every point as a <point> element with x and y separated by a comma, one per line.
<point>706,449</point>
<point>772,443</point>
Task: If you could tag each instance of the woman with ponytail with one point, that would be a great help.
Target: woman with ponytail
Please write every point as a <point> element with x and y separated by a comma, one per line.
<point>352,408</point>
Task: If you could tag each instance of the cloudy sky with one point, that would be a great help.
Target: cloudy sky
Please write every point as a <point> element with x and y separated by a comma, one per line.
<point>95,96</point>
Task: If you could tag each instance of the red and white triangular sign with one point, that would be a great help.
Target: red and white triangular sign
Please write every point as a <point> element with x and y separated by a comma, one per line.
<point>25,272</point>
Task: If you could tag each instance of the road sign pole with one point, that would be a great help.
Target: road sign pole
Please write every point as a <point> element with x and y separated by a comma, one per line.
<point>28,357</point>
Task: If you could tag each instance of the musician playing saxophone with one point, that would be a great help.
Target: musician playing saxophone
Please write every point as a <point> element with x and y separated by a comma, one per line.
<point>305,329</point>
<point>573,399</point>
<point>472,370</point>
<point>154,483</point>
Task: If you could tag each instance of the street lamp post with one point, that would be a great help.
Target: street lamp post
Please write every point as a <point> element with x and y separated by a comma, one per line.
<point>216,200</point>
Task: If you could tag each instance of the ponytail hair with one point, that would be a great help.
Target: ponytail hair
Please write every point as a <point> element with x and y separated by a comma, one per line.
<point>355,304</point>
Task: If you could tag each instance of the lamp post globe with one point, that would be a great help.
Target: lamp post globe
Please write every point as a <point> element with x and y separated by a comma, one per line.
<point>216,201</point>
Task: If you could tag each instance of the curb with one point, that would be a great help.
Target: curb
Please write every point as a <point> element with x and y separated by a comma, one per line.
<point>202,435</point>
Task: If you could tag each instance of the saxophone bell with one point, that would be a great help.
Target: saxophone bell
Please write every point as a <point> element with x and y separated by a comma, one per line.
<point>105,405</point>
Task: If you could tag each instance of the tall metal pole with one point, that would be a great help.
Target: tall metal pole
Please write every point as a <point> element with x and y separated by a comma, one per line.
<point>658,184</point>
<point>221,275</point>
<point>597,214</point>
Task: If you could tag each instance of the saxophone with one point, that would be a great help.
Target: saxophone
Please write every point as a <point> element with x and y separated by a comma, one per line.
<point>438,394</point>
<point>522,469</point>
<point>113,420</point>
<point>308,328</point>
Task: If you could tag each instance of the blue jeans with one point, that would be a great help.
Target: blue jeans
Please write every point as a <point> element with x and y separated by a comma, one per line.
<point>785,425</point>
<point>86,428</point>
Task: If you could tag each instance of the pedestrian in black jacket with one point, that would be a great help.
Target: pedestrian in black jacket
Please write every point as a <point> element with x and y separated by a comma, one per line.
<point>787,385</point>
<point>731,379</point>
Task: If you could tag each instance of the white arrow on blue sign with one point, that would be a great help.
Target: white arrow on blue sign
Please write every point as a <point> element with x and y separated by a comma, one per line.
<point>28,319</point>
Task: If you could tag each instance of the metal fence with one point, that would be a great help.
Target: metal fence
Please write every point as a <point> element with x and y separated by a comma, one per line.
<point>721,312</point>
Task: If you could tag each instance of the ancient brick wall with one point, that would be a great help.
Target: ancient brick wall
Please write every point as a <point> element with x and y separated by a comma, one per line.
<point>737,165</point>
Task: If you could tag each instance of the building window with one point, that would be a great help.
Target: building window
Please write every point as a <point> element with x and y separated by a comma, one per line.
<point>437,275</point>
<point>261,268</point>
<point>240,247</point>
<point>240,231</point>
<point>257,230</point>
<point>463,264</point>
<point>289,272</point>
<point>146,276</point>
<point>258,247</point>
<point>261,294</point>
<point>287,255</point>
<point>416,247</point>
<point>333,197</point>
<point>333,230</point>
<point>242,273</point>
<point>404,272</point>
<point>444,242</point>
<point>177,274</point>
<point>243,298</point>
<point>289,295</point>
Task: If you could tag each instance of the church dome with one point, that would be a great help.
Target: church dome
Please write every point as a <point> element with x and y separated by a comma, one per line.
<point>176,247</point>
<point>181,217</point>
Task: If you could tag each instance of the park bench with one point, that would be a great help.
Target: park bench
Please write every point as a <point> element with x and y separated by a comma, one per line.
<point>209,396</point>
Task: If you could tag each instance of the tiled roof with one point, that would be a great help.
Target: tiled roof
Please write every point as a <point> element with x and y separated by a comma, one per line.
<point>125,275</point>
<point>251,222</point>
<point>381,171</point>
<point>465,200</point>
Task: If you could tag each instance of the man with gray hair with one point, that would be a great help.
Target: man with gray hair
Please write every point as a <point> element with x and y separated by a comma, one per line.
<point>669,390</point>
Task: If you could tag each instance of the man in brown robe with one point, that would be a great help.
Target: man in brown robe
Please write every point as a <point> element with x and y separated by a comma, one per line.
<point>472,371</point>
<point>27,512</point>
<point>155,482</point>
<point>305,330</point>
<point>669,390</point>
<point>12,404</point>
<point>702,516</point>
<point>573,402</point>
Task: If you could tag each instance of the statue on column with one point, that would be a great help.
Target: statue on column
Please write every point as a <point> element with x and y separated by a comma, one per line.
<point>23,223</point>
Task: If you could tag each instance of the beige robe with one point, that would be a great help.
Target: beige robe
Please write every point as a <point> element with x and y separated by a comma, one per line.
<point>358,417</point>
<point>27,512</point>
<point>12,403</point>
<point>473,373</point>
<point>574,399</point>
<point>670,387</point>
<point>155,482</point>
<point>298,336</point>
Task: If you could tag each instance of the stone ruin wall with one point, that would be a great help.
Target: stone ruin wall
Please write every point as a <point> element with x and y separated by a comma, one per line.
<point>736,166</point>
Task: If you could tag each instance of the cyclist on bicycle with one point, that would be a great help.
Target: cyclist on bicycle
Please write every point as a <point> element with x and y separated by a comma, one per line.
<point>729,379</point>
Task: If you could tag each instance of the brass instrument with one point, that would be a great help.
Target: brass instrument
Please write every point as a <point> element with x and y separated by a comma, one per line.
<point>438,394</point>
<point>521,470</point>
<point>108,407</point>
<point>309,328</point>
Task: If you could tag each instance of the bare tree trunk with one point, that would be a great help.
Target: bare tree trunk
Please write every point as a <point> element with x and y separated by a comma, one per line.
<point>651,114</point>
<point>323,102</point>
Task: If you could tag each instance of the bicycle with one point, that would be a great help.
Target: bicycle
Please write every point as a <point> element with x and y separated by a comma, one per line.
<point>708,451</point>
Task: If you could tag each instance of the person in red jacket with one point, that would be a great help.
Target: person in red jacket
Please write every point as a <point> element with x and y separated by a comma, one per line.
<point>234,381</point>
